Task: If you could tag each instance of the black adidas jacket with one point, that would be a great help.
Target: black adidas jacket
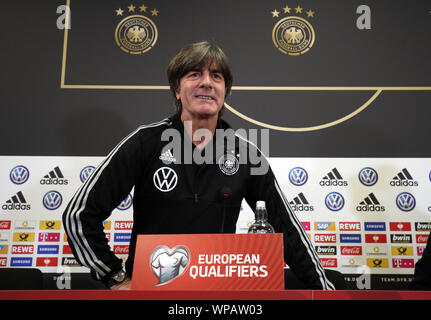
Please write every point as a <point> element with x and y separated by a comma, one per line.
<point>174,198</point>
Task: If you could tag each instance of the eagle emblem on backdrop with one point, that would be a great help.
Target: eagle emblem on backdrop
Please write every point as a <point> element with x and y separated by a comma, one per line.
<point>293,34</point>
<point>136,33</point>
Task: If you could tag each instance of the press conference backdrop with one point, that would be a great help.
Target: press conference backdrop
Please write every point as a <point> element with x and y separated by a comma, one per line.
<point>343,88</point>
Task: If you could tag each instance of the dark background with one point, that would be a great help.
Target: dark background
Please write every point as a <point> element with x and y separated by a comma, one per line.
<point>41,118</point>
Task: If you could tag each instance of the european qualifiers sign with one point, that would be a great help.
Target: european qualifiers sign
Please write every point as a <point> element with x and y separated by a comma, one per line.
<point>209,262</point>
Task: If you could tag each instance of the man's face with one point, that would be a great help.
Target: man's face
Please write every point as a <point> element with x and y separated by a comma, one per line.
<point>202,92</point>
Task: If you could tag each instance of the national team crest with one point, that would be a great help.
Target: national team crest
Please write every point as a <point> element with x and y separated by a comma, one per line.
<point>293,35</point>
<point>228,164</point>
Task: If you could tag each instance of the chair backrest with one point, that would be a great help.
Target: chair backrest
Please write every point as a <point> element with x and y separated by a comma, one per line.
<point>21,279</point>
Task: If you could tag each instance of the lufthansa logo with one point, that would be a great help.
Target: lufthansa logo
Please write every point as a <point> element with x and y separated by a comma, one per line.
<point>334,201</point>
<point>368,176</point>
<point>405,201</point>
<point>298,176</point>
<point>52,200</point>
<point>136,34</point>
<point>19,174</point>
<point>165,179</point>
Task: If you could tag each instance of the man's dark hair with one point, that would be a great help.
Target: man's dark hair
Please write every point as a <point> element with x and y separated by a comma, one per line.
<point>197,55</point>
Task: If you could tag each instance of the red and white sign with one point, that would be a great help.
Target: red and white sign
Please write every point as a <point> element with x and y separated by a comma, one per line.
<point>349,226</point>
<point>47,261</point>
<point>375,238</point>
<point>400,226</point>
<point>421,238</point>
<point>3,262</point>
<point>325,238</point>
<point>121,249</point>
<point>5,224</point>
<point>209,262</point>
<point>22,249</point>
<point>123,225</point>
<point>351,250</point>
<point>329,262</point>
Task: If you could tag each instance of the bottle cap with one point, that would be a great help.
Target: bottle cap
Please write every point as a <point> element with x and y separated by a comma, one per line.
<point>260,205</point>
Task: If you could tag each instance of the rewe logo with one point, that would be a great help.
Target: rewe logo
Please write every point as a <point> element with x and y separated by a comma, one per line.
<point>333,178</point>
<point>165,179</point>
<point>16,202</point>
<point>370,203</point>
<point>300,203</point>
<point>403,179</point>
<point>169,264</point>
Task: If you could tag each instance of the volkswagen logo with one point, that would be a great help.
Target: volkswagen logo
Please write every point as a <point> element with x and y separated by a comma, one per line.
<point>334,201</point>
<point>405,201</point>
<point>86,172</point>
<point>298,176</point>
<point>165,179</point>
<point>368,176</point>
<point>19,174</point>
<point>126,204</point>
<point>52,200</point>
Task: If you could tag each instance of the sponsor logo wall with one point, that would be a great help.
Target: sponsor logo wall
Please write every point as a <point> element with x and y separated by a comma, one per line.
<point>357,212</point>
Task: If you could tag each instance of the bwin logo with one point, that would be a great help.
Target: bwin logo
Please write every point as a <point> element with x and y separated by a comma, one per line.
<point>368,176</point>
<point>52,200</point>
<point>86,172</point>
<point>405,201</point>
<point>19,174</point>
<point>334,201</point>
<point>298,176</point>
<point>126,204</point>
<point>165,179</point>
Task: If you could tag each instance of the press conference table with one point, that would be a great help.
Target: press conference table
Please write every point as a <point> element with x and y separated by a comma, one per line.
<point>214,295</point>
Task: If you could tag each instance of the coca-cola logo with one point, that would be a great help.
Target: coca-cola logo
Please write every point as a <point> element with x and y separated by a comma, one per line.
<point>329,262</point>
<point>5,224</point>
<point>351,250</point>
<point>421,238</point>
<point>121,249</point>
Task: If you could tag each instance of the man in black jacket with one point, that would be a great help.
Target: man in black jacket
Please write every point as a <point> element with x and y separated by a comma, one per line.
<point>174,195</point>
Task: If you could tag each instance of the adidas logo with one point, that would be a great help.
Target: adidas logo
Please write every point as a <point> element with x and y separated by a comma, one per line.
<point>370,203</point>
<point>403,179</point>
<point>167,157</point>
<point>333,178</point>
<point>16,202</point>
<point>54,177</point>
<point>300,203</point>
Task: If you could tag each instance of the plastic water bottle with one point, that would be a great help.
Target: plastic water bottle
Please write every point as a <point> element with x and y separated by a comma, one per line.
<point>261,224</point>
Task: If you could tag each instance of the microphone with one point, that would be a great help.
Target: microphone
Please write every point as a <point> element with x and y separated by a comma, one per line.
<point>225,194</point>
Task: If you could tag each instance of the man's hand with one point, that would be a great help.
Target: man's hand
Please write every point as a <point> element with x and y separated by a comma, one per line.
<point>125,285</point>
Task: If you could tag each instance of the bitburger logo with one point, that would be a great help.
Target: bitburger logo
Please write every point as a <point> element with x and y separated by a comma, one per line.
<point>293,35</point>
<point>136,33</point>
